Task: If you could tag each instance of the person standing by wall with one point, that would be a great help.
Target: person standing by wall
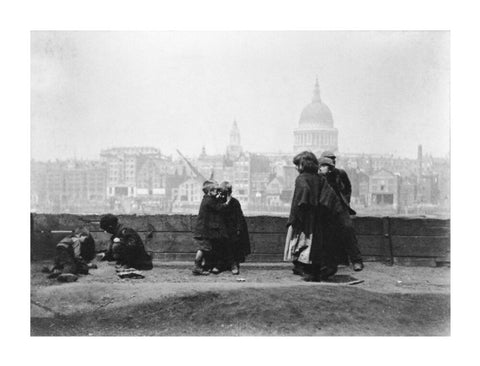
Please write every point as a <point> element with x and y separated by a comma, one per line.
<point>339,181</point>
<point>314,207</point>
<point>238,245</point>
<point>210,232</point>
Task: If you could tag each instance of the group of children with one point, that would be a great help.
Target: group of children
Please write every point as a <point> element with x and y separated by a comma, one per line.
<point>75,252</point>
<point>220,232</point>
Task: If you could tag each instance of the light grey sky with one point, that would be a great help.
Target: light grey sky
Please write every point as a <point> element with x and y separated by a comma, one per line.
<point>388,91</point>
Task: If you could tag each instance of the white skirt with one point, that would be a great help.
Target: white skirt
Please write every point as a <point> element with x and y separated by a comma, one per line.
<point>297,247</point>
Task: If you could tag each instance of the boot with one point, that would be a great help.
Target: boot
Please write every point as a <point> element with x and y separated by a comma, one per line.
<point>357,266</point>
<point>198,270</point>
<point>298,268</point>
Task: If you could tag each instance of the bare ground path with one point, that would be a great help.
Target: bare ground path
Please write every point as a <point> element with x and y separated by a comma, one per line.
<point>271,301</point>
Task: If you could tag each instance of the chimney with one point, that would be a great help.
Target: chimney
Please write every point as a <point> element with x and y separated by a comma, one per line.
<point>419,161</point>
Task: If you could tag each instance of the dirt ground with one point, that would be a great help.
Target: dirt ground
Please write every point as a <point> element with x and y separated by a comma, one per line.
<point>269,301</point>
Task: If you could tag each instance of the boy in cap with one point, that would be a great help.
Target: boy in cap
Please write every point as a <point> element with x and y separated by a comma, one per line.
<point>210,231</point>
<point>338,180</point>
<point>126,246</point>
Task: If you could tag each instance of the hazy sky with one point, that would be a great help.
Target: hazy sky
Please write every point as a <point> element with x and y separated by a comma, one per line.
<point>388,91</point>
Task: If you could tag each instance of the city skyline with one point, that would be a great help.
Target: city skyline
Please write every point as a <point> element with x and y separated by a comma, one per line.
<point>388,91</point>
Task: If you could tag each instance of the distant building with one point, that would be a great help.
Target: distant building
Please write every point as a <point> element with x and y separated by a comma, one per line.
<point>442,167</point>
<point>241,178</point>
<point>384,189</point>
<point>123,165</point>
<point>151,176</point>
<point>38,190</point>
<point>315,131</point>
<point>274,191</point>
<point>188,196</point>
<point>68,186</point>
<point>360,186</point>
<point>406,193</point>
<point>428,189</point>
<point>172,182</point>
<point>210,165</point>
<point>260,174</point>
<point>370,163</point>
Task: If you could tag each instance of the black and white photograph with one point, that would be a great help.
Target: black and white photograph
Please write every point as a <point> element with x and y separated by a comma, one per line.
<point>256,182</point>
<point>240,183</point>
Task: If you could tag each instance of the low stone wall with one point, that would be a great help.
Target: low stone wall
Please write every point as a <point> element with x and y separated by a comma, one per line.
<point>393,240</point>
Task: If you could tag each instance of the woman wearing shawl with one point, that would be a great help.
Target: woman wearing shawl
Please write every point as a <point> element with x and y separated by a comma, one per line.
<point>315,207</point>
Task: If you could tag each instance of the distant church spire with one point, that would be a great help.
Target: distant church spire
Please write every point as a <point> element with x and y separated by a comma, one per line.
<point>316,92</point>
<point>235,134</point>
<point>234,149</point>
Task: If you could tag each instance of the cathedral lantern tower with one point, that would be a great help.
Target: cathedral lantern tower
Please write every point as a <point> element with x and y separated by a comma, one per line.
<point>315,131</point>
<point>234,148</point>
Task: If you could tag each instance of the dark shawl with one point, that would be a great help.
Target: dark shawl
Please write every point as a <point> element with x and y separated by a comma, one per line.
<point>237,227</point>
<point>210,223</point>
<point>316,209</point>
<point>132,251</point>
<point>338,180</point>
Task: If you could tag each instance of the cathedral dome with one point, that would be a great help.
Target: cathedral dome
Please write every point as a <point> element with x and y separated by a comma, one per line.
<point>316,113</point>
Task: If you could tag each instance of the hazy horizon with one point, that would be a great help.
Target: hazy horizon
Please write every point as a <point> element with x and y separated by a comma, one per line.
<point>388,91</point>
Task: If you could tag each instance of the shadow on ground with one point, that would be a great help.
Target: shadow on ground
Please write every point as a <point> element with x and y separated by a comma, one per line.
<point>316,310</point>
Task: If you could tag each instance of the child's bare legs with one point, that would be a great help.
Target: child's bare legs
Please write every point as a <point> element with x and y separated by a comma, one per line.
<point>198,269</point>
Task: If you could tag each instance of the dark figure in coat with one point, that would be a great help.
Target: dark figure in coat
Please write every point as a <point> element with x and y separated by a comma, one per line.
<point>338,180</point>
<point>126,247</point>
<point>210,231</point>
<point>238,244</point>
<point>315,207</point>
<point>73,254</point>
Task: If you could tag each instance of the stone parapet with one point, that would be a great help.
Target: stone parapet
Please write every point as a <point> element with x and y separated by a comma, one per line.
<point>392,240</point>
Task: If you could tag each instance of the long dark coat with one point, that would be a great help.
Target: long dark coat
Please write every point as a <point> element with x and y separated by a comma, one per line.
<point>131,249</point>
<point>237,230</point>
<point>210,224</point>
<point>344,232</point>
<point>315,210</point>
<point>339,181</point>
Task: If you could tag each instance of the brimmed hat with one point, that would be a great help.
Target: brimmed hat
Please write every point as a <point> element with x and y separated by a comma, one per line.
<point>328,154</point>
<point>326,161</point>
